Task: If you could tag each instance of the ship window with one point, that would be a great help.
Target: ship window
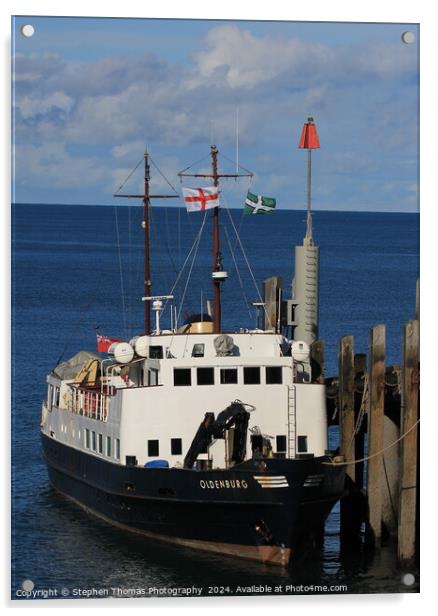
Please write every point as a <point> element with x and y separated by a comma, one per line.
<point>100,443</point>
<point>156,352</point>
<point>302,444</point>
<point>87,438</point>
<point>281,443</point>
<point>176,446</point>
<point>108,446</point>
<point>228,376</point>
<point>198,350</point>
<point>93,441</point>
<point>274,375</point>
<point>182,376</point>
<point>117,453</point>
<point>153,448</point>
<point>251,375</point>
<point>205,376</point>
<point>57,396</point>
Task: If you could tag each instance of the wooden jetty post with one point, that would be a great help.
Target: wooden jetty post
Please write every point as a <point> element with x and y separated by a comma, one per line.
<point>408,467</point>
<point>317,359</point>
<point>360,369</point>
<point>272,291</point>
<point>350,517</point>
<point>376,412</point>
<point>346,401</point>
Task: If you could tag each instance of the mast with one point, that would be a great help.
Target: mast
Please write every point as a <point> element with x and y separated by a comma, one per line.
<point>218,275</point>
<point>147,244</point>
<point>217,260</point>
<point>146,196</point>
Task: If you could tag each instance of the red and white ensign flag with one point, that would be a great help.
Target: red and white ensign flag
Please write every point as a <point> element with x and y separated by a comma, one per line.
<point>200,199</point>
<point>104,343</point>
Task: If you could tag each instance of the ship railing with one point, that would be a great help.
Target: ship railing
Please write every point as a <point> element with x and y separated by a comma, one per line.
<point>89,403</point>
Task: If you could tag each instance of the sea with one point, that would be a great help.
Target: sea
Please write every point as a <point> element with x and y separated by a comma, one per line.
<point>77,270</point>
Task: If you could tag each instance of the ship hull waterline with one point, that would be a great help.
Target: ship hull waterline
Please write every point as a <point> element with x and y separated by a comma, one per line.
<point>264,510</point>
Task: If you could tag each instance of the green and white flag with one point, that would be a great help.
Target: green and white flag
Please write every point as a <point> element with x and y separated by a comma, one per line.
<point>256,204</point>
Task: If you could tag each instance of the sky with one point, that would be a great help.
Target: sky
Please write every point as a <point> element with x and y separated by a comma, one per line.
<point>90,94</point>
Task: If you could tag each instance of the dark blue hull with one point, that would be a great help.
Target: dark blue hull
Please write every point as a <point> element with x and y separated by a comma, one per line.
<point>260,509</point>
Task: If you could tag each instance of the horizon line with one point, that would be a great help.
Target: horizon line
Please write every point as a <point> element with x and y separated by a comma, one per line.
<point>120,205</point>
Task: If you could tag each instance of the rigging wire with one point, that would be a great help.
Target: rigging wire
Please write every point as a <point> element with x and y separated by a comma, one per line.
<point>243,251</point>
<point>122,287</point>
<point>196,240</point>
<point>191,267</point>
<point>153,227</point>
<point>130,323</point>
<point>192,165</point>
<point>129,175</point>
<point>249,266</point>
<point>238,274</point>
<point>162,175</point>
<point>222,155</point>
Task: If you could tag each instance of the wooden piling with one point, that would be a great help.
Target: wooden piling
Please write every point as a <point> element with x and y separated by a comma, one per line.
<point>417,300</point>
<point>317,359</point>
<point>346,401</point>
<point>360,369</point>
<point>408,467</point>
<point>350,518</point>
<point>272,291</point>
<point>375,434</point>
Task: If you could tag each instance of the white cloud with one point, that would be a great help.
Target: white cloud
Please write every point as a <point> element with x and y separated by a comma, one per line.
<point>120,105</point>
<point>50,165</point>
<point>32,106</point>
<point>244,60</point>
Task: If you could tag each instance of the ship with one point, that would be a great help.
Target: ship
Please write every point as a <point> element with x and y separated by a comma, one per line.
<point>208,439</point>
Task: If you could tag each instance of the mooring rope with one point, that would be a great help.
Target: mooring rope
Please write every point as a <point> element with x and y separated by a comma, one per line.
<point>361,414</point>
<point>377,453</point>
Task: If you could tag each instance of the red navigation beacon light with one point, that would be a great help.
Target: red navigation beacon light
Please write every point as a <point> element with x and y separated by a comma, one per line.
<point>309,136</point>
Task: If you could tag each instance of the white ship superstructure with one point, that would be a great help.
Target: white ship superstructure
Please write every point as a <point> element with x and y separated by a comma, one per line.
<point>153,410</point>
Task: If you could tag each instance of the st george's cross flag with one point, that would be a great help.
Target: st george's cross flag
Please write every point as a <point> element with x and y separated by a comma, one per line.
<point>200,199</point>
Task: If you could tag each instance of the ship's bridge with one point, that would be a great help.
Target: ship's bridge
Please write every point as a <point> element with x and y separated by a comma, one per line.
<point>245,343</point>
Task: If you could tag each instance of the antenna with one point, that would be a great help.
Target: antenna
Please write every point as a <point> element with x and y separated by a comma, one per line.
<point>237,139</point>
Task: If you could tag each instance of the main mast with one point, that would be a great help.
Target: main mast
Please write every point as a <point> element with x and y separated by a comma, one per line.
<point>217,260</point>
<point>146,196</point>
<point>147,244</point>
<point>218,275</point>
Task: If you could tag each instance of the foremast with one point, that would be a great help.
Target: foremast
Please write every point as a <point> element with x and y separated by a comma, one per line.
<point>146,196</point>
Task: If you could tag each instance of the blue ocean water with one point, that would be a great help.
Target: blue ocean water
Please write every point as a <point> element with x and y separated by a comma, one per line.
<point>76,268</point>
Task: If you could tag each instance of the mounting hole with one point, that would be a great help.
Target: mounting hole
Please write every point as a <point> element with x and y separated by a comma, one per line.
<point>27,585</point>
<point>408,37</point>
<point>408,579</point>
<point>27,30</point>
